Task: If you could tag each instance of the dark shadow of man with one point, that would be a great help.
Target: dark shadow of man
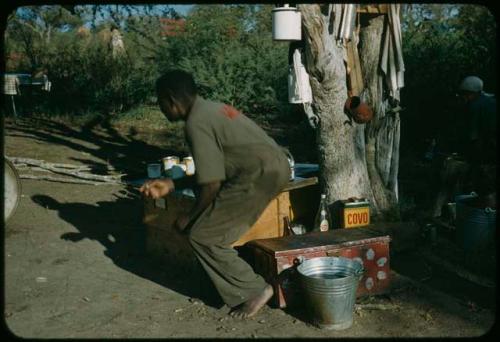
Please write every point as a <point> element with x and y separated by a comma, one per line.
<point>117,225</point>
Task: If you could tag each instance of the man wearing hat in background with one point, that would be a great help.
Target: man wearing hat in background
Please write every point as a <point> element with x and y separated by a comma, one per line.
<point>478,137</point>
<point>473,167</point>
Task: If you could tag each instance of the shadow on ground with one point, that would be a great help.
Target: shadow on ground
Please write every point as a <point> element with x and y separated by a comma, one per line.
<point>125,152</point>
<point>117,226</point>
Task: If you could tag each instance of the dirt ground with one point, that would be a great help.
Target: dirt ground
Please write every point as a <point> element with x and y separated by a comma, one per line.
<point>76,264</point>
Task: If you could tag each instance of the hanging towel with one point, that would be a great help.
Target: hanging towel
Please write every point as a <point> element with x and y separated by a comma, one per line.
<point>11,85</point>
<point>391,61</point>
<point>347,22</point>
<point>299,89</point>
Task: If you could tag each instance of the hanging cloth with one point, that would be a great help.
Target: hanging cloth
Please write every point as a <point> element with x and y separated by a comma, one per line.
<point>391,61</point>
<point>11,85</point>
<point>347,22</point>
<point>299,89</point>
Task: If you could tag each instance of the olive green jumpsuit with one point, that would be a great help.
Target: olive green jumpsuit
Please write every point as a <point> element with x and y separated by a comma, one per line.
<point>229,147</point>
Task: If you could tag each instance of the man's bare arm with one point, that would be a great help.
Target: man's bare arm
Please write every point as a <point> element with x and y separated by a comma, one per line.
<point>208,192</point>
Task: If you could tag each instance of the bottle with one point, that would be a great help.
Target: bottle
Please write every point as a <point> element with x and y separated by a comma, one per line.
<point>287,228</point>
<point>323,221</point>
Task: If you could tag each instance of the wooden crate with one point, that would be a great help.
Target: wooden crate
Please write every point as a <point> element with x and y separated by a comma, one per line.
<point>299,200</point>
<point>276,259</point>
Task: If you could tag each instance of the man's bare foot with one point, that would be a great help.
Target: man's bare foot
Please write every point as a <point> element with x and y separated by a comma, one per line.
<point>252,306</point>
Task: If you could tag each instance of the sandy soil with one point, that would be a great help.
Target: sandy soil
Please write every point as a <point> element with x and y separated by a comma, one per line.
<point>76,264</point>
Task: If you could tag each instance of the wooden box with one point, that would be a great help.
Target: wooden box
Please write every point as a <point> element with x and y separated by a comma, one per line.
<point>298,200</point>
<point>276,259</point>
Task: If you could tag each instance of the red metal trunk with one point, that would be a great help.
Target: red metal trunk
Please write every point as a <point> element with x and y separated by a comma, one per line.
<point>276,259</point>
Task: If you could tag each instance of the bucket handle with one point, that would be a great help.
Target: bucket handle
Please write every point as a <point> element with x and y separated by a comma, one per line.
<point>489,210</point>
<point>360,272</point>
<point>299,260</point>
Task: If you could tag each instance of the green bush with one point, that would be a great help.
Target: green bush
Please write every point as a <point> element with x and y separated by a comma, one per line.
<point>228,48</point>
<point>230,51</point>
<point>86,77</point>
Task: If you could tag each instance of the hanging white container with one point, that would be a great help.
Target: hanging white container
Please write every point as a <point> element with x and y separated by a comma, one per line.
<point>286,23</point>
<point>299,88</point>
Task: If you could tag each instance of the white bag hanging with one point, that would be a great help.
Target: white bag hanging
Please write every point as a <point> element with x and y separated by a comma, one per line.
<point>299,89</point>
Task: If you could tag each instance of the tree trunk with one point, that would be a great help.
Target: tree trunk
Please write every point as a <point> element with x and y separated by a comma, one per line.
<point>382,133</point>
<point>341,144</point>
<point>354,160</point>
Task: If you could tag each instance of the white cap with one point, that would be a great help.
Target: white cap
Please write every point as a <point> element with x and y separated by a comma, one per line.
<point>472,83</point>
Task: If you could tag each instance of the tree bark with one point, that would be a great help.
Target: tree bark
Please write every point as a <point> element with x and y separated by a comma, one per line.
<point>354,160</point>
<point>382,133</point>
<point>341,145</point>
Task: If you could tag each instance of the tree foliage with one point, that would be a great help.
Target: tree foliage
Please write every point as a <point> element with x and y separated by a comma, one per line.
<point>230,50</point>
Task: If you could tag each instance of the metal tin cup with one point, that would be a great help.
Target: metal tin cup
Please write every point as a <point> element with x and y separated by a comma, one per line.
<point>291,162</point>
<point>298,229</point>
<point>431,231</point>
<point>292,169</point>
<point>189,162</point>
<point>154,170</point>
<point>169,161</point>
<point>177,171</point>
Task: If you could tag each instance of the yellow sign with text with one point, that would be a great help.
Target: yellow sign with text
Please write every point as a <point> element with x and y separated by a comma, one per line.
<point>356,217</point>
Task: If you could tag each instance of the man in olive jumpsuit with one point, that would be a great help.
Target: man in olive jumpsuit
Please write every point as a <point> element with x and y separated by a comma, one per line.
<point>239,170</point>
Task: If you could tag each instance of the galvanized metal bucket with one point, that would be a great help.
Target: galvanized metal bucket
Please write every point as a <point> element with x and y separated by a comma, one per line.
<point>330,285</point>
<point>475,226</point>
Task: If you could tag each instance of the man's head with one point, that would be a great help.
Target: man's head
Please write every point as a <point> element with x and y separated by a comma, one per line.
<point>176,92</point>
<point>470,88</point>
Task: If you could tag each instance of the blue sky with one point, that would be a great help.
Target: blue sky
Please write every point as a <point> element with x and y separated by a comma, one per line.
<point>182,9</point>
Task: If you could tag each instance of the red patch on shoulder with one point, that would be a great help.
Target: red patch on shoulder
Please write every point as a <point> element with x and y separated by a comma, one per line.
<point>230,111</point>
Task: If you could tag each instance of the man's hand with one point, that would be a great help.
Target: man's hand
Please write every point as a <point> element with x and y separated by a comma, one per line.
<point>157,188</point>
<point>182,222</point>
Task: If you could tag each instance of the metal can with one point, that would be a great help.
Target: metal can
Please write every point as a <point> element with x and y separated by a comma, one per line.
<point>430,233</point>
<point>170,161</point>
<point>154,170</point>
<point>291,162</point>
<point>189,162</point>
<point>298,229</point>
<point>355,212</point>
